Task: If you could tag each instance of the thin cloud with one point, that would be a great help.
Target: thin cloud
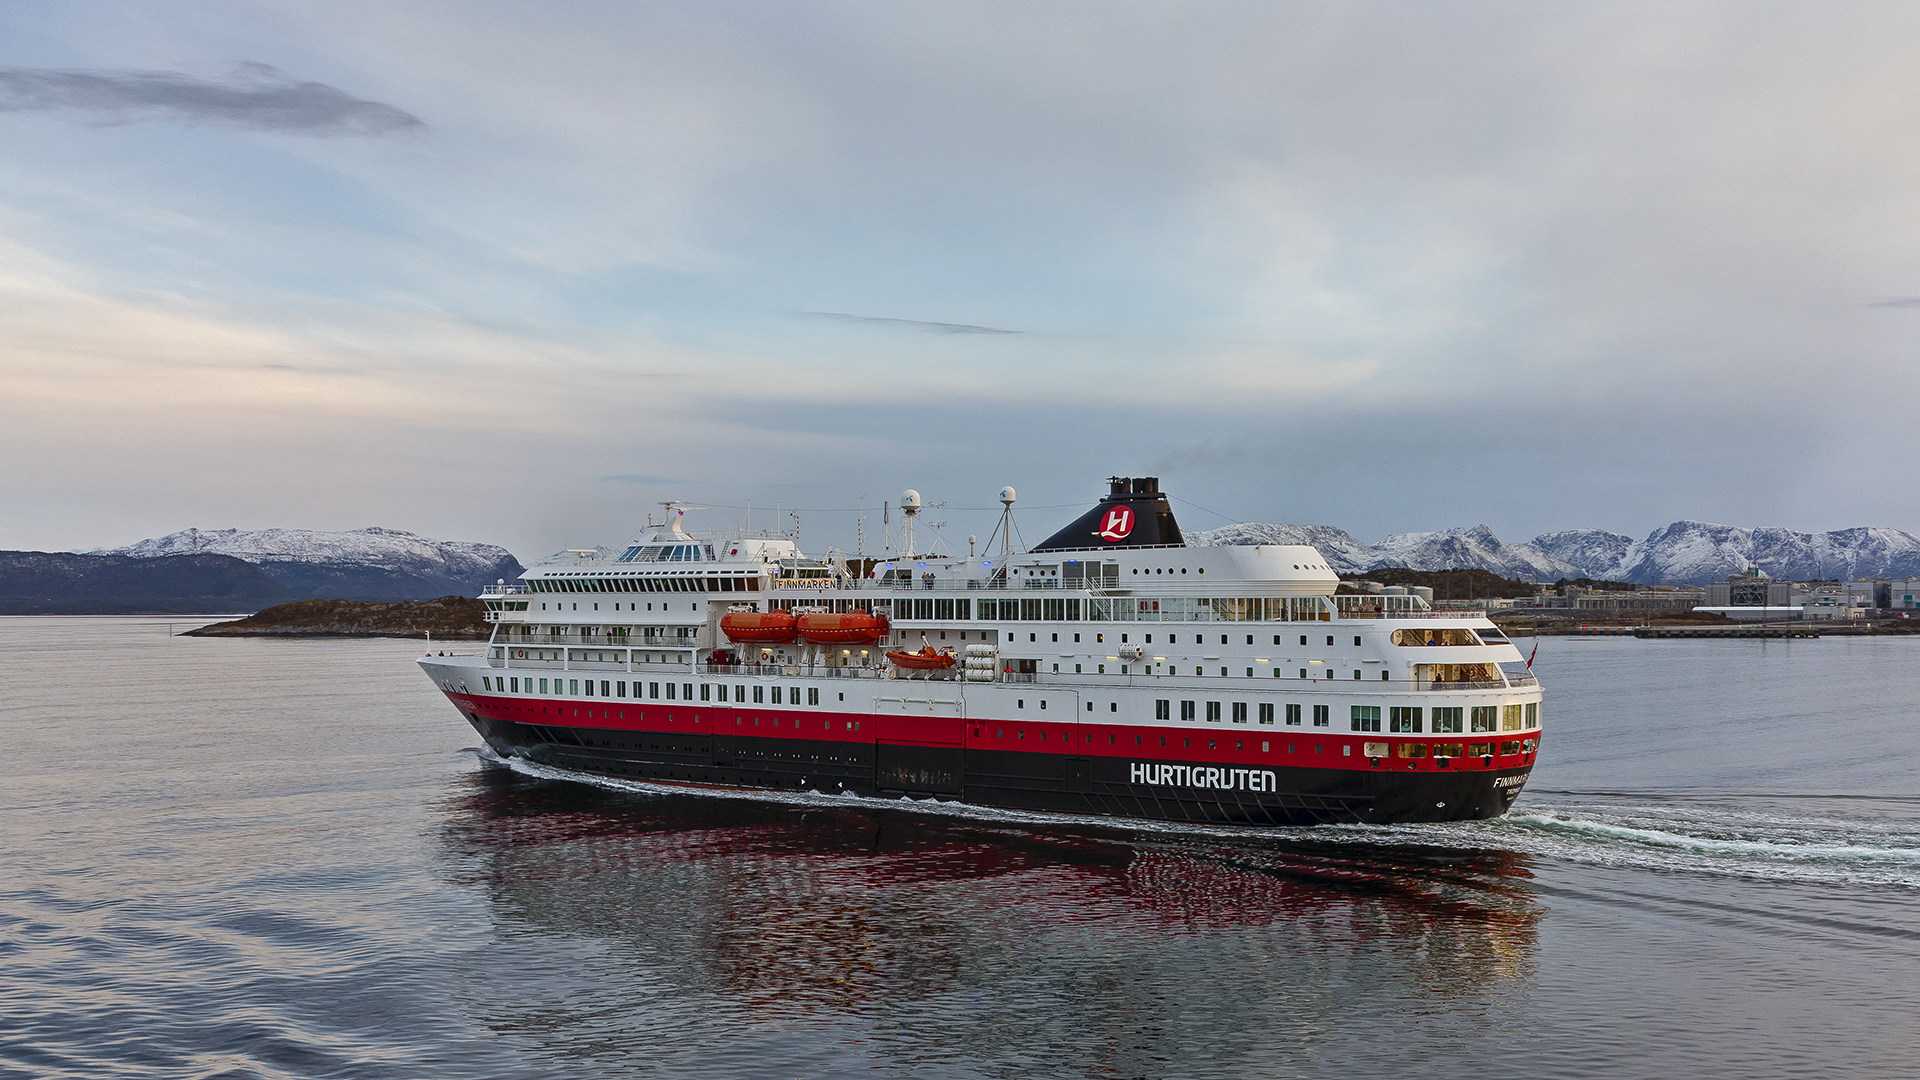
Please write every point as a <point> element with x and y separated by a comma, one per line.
<point>256,97</point>
<point>638,478</point>
<point>908,324</point>
<point>1897,301</point>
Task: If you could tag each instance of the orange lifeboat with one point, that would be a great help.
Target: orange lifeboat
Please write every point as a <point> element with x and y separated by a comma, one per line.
<point>849,628</point>
<point>772,627</point>
<point>927,659</point>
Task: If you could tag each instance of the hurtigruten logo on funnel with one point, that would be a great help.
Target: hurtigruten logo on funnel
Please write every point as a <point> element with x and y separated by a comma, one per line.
<point>1117,524</point>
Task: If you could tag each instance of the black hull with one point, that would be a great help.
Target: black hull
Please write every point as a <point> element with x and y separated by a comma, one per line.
<point>1055,782</point>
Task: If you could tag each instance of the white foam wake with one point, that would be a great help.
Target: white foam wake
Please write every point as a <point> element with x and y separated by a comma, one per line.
<point>1635,832</point>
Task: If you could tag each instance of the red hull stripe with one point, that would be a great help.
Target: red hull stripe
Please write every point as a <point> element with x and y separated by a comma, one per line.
<point>1210,743</point>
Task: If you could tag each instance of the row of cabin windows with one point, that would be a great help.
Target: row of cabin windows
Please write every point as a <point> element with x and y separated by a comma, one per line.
<point>1322,714</point>
<point>1407,720</point>
<point>1404,720</point>
<point>713,692</point>
<point>644,584</point>
<point>596,607</point>
<point>1171,609</point>
<point>1198,639</point>
<point>1405,750</point>
<point>1454,750</point>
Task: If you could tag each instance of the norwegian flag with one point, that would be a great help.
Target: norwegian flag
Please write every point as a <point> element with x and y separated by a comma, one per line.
<point>1534,653</point>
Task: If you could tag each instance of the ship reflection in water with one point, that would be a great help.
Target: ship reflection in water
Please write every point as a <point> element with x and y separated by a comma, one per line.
<point>750,936</point>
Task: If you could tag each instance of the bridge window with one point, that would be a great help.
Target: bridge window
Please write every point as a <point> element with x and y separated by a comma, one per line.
<point>1446,721</point>
<point>1483,717</point>
<point>1404,720</point>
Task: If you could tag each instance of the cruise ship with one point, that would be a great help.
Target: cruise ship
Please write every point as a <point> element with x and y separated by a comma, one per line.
<point>1111,670</point>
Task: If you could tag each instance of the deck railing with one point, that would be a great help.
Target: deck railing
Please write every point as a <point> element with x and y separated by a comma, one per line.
<point>1065,681</point>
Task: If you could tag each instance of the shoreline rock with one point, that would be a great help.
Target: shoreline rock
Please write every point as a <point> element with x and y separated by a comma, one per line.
<point>450,618</point>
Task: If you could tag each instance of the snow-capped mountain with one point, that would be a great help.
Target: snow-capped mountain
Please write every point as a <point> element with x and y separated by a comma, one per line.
<point>1469,548</point>
<point>1589,549</point>
<point>1449,550</point>
<point>1696,552</point>
<point>382,564</point>
<point>1683,553</point>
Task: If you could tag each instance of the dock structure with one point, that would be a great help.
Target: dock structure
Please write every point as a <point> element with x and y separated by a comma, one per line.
<point>1762,631</point>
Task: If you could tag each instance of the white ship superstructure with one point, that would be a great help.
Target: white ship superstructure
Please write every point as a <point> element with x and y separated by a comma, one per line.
<point>1109,670</point>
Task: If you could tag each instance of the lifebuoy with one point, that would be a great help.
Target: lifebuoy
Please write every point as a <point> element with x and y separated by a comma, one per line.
<point>520,654</point>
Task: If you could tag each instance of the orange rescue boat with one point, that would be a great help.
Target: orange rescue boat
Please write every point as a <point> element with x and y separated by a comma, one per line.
<point>847,628</point>
<point>772,627</point>
<point>927,659</point>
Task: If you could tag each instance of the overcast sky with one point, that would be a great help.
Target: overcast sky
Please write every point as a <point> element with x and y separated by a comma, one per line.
<point>516,272</point>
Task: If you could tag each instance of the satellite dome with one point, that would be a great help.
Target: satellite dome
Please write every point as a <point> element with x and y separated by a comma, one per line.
<point>910,500</point>
<point>1006,495</point>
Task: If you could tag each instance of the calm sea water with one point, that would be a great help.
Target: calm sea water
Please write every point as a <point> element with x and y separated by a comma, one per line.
<point>243,858</point>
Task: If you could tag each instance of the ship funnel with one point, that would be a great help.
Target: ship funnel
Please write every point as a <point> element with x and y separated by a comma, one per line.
<point>1134,514</point>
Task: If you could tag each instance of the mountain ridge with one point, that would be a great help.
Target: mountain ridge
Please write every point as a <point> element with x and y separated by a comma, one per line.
<point>372,563</point>
<point>65,583</point>
<point>1684,552</point>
